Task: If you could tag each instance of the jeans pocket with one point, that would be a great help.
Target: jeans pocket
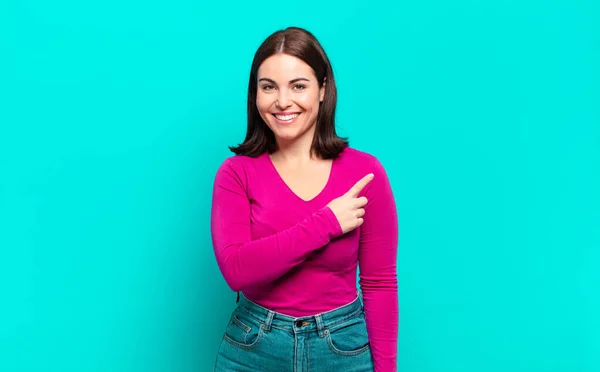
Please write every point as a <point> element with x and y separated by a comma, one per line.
<point>243,331</point>
<point>349,338</point>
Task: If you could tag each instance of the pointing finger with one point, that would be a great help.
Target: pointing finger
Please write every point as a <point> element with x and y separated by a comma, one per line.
<point>357,188</point>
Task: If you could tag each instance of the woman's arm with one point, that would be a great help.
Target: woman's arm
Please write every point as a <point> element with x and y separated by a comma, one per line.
<point>377,276</point>
<point>245,262</point>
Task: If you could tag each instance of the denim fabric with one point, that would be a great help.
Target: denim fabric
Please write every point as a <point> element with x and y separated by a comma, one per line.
<point>258,339</point>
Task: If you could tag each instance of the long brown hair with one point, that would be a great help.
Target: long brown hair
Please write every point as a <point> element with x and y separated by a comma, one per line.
<point>301,44</point>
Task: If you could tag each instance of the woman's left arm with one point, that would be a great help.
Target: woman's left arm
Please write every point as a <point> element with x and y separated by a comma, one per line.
<point>377,276</point>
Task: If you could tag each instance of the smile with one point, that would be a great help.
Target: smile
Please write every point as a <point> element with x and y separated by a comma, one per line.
<point>288,118</point>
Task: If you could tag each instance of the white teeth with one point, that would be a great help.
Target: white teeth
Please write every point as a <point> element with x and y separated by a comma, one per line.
<point>286,117</point>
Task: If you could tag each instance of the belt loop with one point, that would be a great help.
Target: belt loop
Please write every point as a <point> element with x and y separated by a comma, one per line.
<point>269,320</point>
<point>320,325</point>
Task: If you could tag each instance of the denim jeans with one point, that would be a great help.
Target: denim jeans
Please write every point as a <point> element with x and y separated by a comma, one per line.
<point>258,339</point>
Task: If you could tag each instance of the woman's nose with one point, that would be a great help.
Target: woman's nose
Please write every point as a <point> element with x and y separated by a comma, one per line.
<point>283,100</point>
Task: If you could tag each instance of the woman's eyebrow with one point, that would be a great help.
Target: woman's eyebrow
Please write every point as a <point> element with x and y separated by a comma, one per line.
<point>291,81</point>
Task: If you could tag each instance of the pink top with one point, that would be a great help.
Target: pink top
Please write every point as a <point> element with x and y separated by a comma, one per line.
<point>289,255</point>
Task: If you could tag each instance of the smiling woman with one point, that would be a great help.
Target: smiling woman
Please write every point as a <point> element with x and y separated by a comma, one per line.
<point>281,102</point>
<point>294,213</point>
<point>291,74</point>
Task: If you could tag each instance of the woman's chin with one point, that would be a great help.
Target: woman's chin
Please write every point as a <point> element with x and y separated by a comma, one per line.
<point>286,138</point>
<point>286,135</point>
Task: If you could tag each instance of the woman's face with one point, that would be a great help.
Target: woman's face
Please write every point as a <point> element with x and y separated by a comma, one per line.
<point>288,96</point>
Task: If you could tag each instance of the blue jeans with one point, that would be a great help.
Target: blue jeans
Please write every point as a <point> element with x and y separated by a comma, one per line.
<point>258,339</point>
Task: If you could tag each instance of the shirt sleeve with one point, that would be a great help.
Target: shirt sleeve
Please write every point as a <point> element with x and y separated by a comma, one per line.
<point>245,262</point>
<point>377,274</point>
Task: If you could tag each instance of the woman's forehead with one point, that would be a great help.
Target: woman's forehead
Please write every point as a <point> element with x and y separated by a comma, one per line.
<point>284,67</point>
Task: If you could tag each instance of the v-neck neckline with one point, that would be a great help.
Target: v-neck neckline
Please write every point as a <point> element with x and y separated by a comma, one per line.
<point>289,189</point>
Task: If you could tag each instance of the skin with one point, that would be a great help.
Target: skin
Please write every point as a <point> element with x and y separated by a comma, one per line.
<point>287,84</point>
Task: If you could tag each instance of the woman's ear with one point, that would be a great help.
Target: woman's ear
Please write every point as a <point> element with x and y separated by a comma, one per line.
<point>322,90</point>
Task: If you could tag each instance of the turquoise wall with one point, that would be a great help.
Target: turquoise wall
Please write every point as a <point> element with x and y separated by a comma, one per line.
<point>115,115</point>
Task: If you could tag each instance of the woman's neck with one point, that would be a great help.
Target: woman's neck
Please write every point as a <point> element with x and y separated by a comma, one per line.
<point>299,151</point>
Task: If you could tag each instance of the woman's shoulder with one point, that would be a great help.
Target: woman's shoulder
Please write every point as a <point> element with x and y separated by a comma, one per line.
<point>357,163</point>
<point>356,154</point>
<point>358,158</point>
<point>240,160</point>
<point>241,165</point>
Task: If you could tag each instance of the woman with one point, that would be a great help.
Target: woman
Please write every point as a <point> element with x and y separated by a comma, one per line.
<point>293,214</point>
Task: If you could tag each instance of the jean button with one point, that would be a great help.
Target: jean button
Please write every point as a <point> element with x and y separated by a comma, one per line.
<point>298,323</point>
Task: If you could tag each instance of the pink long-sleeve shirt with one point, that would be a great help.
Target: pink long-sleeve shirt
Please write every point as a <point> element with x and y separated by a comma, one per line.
<point>290,255</point>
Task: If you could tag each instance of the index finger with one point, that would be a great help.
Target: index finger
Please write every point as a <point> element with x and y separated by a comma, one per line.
<point>357,188</point>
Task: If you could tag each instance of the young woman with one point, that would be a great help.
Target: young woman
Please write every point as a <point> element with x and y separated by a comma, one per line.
<point>294,213</point>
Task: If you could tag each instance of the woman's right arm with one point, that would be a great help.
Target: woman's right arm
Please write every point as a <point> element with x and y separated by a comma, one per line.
<point>245,262</point>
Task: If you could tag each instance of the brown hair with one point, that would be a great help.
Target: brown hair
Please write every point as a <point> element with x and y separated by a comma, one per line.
<point>301,44</point>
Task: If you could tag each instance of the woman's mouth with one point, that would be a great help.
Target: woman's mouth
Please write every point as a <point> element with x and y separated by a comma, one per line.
<point>286,118</point>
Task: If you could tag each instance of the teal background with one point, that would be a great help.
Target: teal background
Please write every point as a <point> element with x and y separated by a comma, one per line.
<point>115,115</point>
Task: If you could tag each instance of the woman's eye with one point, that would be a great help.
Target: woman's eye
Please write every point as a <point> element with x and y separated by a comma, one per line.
<point>299,86</point>
<point>267,87</point>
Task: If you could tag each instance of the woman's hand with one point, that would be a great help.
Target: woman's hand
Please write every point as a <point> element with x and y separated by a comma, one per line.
<point>348,208</point>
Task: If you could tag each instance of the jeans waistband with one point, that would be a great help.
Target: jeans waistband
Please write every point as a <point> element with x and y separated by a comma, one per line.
<point>319,322</point>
